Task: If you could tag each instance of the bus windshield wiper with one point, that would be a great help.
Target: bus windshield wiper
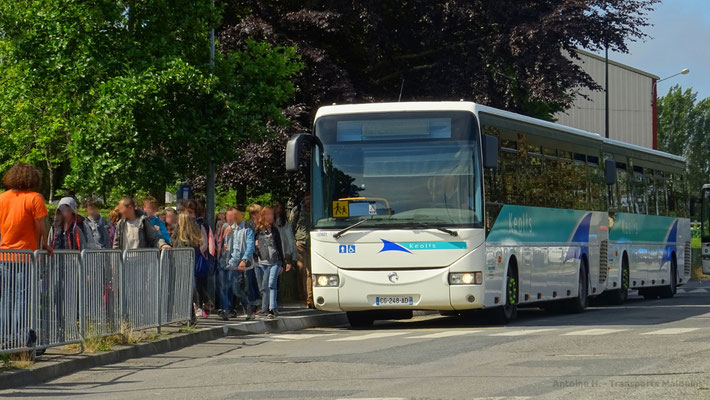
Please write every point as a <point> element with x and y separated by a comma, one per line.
<point>429,225</point>
<point>355,225</point>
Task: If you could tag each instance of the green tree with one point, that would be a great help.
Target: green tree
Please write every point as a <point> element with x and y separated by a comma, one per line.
<point>510,54</point>
<point>122,92</point>
<point>49,55</point>
<point>684,129</point>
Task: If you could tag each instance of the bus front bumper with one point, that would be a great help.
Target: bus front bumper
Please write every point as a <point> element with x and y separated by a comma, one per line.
<point>423,289</point>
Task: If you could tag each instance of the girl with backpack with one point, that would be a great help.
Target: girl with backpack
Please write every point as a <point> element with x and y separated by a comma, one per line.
<point>188,234</point>
<point>271,258</point>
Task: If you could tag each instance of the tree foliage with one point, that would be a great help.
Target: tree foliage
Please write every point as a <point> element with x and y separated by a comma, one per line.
<point>122,91</point>
<point>684,129</point>
<point>511,54</point>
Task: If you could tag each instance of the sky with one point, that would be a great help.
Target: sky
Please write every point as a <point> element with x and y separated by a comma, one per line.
<point>679,38</point>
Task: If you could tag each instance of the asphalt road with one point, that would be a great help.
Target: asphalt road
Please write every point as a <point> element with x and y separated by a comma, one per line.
<point>658,349</point>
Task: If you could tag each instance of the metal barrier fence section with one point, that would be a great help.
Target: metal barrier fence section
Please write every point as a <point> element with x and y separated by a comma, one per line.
<point>100,295</point>
<point>18,320</point>
<point>58,295</point>
<point>69,296</point>
<point>140,288</point>
<point>177,280</point>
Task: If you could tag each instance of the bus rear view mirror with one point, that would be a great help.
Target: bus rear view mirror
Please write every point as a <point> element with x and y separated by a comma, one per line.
<point>294,148</point>
<point>490,151</point>
<point>610,172</point>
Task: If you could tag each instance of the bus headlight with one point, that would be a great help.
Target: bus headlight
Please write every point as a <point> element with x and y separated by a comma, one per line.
<point>466,278</point>
<point>327,280</point>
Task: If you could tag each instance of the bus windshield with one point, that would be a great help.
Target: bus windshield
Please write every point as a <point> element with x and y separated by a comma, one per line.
<point>397,170</point>
<point>705,215</point>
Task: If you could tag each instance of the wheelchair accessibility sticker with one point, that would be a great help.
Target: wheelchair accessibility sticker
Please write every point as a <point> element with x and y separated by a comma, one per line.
<point>346,249</point>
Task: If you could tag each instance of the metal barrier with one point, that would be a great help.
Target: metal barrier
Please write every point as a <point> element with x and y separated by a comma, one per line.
<point>69,296</point>
<point>140,288</point>
<point>58,295</point>
<point>18,308</point>
<point>101,296</point>
<point>177,275</point>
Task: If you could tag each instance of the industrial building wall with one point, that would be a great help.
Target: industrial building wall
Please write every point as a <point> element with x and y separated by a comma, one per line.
<point>630,103</point>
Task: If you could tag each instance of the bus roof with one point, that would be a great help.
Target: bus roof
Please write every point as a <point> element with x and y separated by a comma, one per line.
<point>611,145</point>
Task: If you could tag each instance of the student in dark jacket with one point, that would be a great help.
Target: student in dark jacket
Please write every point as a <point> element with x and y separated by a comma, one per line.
<point>271,258</point>
<point>99,226</point>
<point>134,231</point>
<point>70,231</point>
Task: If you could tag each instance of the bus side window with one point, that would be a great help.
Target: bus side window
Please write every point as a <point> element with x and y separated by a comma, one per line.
<point>661,193</point>
<point>639,191</point>
<point>622,188</point>
<point>650,181</point>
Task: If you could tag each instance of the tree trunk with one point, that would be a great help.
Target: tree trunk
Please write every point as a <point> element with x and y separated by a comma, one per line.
<point>242,197</point>
<point>51,182</point>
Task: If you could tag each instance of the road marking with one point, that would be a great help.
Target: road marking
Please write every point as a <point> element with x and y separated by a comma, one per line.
<point>697,291</point>
<point>265,339</point>
<point>300,336</point>
<point>445,334</point>
<point>671,331</point>
<point>593,332</point>
<point>522,332</point>
<point>377,335</point>
<point>371,398</point>
<point>582,355</point>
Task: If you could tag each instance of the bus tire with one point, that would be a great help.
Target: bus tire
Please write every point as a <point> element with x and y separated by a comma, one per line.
<point>649,293</point>
<point>509,310</point>
<point>360,319</point>
<point>449,313</point>
<point>579,303</point>
<point>666,292</point>
<point>618,297</point>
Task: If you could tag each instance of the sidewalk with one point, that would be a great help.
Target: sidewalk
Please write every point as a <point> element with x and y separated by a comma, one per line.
<point>60,361</point>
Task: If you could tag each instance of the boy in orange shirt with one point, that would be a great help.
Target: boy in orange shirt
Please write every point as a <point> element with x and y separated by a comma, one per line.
<point>22,226</point>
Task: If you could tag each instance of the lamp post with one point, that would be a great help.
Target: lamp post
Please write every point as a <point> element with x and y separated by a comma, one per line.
<point>684,71</point>
<point>606,91</point>
<point>210,206</point>
<point>654,102</point>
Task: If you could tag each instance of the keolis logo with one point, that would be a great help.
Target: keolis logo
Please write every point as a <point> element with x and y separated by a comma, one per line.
<point>408,247</point>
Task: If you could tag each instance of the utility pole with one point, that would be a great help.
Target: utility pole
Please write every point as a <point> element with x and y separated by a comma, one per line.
<point>606,91</point>
<point>211,168</point>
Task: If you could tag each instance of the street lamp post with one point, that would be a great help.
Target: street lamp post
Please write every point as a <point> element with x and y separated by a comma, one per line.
<point>606,91</point>
<point>210,206</point>
<point>684,71</point>
<point>654,102</point>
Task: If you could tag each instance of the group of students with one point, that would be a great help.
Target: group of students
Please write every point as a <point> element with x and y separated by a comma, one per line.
<point>249,258</point>
<point>238,269</point>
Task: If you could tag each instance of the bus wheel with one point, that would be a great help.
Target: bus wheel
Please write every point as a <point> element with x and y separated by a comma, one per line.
<point>360,319</point>
<point>509,311</point>
<point>618,297</point>
<point>449,313</point>
<point>579,303</point>
<point>667,292</point>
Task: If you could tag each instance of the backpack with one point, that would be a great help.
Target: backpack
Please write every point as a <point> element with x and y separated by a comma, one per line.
<point>203,266</point>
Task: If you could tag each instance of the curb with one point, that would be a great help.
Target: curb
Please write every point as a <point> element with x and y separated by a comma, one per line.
<point>81,362</point>
<point>285,324</point>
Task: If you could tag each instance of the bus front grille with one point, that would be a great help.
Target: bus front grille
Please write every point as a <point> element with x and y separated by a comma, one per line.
<point>686,259</point>
<point>603,261</point>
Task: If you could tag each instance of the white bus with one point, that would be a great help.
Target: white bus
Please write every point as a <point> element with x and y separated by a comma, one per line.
<point>705,227</point>
<point>454,206</point>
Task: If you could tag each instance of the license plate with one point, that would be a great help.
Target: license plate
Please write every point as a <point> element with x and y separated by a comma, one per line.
<point>394,301</point>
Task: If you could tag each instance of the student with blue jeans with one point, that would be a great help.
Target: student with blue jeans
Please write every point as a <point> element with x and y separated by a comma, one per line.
<point>237,255</point>
<point>271,258</point>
